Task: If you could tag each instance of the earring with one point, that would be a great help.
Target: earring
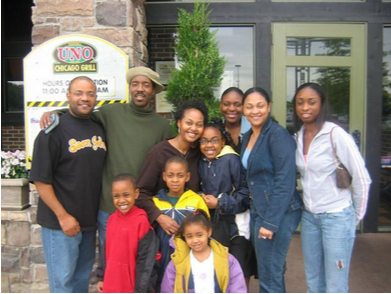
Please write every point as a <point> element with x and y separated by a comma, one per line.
<point>179,129</point>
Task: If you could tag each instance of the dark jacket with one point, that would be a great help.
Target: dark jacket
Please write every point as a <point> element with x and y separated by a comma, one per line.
<point>271,174</point>
<point>225,178</point>
<point>188,203</point>
<point>148,263</point>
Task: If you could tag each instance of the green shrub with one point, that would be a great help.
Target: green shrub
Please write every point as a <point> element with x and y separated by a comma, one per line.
<point>200,65</point>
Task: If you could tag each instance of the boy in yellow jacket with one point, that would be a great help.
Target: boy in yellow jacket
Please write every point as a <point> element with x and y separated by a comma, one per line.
<point>176,202</point>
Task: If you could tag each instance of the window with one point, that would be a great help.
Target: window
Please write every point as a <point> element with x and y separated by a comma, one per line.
<point>15,45</point>
<point>236,45</point>
<point>14,85</point>
<point>335,81</point>
<point>385,171</point>
<point>318,46</point>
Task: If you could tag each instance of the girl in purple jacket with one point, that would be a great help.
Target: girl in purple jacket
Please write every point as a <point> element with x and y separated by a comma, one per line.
<point>201,264</point>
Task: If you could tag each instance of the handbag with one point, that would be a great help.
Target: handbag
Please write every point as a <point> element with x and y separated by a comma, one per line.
<point>221,229</point>
<point>344,179</point>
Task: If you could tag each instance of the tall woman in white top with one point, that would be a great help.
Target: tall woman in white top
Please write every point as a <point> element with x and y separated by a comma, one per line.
<point>331,214</point>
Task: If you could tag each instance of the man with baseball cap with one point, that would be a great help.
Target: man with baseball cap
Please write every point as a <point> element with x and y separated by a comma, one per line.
<point>131,131</point>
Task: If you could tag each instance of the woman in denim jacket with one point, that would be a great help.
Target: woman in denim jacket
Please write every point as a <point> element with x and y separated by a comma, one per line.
<point>268,154</point>
<point>329,220</point>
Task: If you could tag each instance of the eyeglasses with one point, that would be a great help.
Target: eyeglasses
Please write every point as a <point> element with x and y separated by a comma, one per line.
<point>81,94</point>
<point>214,141</point>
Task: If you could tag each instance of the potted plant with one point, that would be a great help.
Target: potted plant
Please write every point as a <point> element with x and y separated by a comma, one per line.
<point>14,180</point>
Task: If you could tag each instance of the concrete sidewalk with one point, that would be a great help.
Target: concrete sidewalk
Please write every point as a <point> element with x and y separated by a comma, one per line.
<point>370,270</point>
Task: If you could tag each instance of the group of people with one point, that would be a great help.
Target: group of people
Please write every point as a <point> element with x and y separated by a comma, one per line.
<point>202,211</point>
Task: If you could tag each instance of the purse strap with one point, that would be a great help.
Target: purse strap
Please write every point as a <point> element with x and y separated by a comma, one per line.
<point>332,146</point>
<point>216,216</point>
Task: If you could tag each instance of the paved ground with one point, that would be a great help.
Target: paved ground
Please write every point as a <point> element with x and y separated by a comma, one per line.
<point>370,270</point>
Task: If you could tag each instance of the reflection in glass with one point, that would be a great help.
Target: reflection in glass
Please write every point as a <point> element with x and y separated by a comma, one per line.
<point>387,77</point>
<point>237,46</point>
<point>385,171</point>
<point>318,46</point>
<point>14,85</point>
<point>335,81</point>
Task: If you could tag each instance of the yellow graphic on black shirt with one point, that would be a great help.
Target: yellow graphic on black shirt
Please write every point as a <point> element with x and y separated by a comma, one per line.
<point>95,143</point>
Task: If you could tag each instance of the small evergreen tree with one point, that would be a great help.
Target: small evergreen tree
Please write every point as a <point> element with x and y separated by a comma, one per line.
<point>200,65</point>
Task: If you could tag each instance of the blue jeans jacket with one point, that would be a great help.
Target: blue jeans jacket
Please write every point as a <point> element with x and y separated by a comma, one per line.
<point>271,174</point>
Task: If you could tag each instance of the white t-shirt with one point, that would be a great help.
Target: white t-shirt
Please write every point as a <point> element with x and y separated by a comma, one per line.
<point>203,274</point>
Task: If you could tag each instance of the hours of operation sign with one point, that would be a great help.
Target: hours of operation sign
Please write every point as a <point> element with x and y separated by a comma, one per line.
<point>50,67</point>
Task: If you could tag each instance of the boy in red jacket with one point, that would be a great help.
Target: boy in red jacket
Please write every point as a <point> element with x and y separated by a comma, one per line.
<point>131,244</point>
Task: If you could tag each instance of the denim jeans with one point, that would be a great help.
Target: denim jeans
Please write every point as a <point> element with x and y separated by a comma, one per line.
<point>327,242</point>
<point>103,217</point>
<point>69,260</point>
<point>271,254</point>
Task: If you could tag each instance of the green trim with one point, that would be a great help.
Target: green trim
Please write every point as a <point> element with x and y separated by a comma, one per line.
<point>356,62</point>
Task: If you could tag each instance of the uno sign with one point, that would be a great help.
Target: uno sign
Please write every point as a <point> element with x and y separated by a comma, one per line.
<point>49,68</point>
<point>75,57</point>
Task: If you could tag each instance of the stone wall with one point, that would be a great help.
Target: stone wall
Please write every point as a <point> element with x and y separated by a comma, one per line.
<point>12,138</point>
<point>23,267</point>
<point>121,22</point>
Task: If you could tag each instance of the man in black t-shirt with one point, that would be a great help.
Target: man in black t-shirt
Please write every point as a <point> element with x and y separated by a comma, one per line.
<point>67,171</point>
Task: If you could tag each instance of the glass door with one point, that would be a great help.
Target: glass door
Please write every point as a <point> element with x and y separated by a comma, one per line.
<point>332,55</point>
<point>385,171</point>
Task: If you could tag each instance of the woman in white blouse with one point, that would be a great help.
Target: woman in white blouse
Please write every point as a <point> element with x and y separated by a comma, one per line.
<point>331,213</point>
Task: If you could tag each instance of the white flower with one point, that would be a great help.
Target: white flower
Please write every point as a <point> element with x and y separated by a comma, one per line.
<point>22,155</point>
<point>15,161</point>
<point>5,170</point>
<point>13,165</point>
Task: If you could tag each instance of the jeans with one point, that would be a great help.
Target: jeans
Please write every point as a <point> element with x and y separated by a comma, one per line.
<point>271,254</point>
<point>103,217</point>
<point>69,260</point>
<point>327,242</point>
